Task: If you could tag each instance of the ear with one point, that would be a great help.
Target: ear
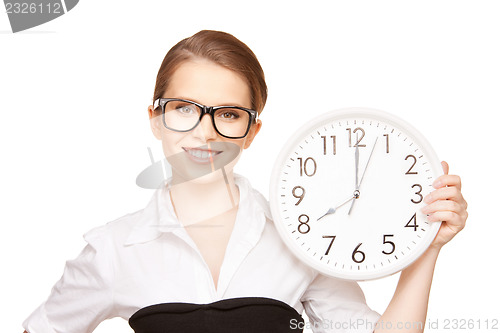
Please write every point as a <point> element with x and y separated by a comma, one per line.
<point>252,133</point>
<point>155,122</point>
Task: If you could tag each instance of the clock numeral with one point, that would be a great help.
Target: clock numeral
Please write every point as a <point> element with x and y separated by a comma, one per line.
<point>330,245</point>
<point>409,172</point>
<point>386,143</point>
<point>300,196</point>
<point>420,197</point>
<point>334,144</point>
<point>355,252</point>
<point>359,139</point>
<point>414,220</point>
<point>390,243</point>
<point>306,165</point>
<point>303,223</point>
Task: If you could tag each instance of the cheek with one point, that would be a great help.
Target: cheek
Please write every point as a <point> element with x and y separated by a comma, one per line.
<point>171,142</point>
<point>235,144</point>
<point>174,154</point>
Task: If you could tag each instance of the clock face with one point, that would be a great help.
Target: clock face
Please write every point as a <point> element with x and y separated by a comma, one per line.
<point>346,193</point>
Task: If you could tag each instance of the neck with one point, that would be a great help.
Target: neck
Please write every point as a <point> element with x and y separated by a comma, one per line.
<point>198,201</point>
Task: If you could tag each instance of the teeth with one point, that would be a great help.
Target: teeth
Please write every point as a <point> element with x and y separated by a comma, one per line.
<point>203,154</point>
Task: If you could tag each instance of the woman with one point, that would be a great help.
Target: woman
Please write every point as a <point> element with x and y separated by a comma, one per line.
<point>203,255</point>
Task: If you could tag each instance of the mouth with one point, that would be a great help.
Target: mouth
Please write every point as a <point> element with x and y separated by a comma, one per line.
<point>199,155</point>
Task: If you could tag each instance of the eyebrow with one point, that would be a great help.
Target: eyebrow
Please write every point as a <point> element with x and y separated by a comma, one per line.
<point>226,104</point>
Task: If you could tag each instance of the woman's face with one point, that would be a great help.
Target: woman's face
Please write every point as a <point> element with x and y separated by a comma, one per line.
<point>202,150</point>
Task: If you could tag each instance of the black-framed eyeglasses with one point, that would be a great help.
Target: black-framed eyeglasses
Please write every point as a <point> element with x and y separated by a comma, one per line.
<point>182,115</point>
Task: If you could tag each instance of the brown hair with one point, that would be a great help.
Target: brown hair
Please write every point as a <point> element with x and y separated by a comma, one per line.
<point>223,49</point>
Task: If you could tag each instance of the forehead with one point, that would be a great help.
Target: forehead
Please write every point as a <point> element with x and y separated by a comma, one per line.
<point>206,82</point>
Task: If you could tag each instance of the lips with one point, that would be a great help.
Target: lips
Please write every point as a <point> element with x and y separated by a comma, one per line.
<point>194,161</point>
<point>201,155</point>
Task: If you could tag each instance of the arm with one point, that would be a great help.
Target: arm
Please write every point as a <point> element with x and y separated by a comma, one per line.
<point>409,303</point>
<point>83,296</point>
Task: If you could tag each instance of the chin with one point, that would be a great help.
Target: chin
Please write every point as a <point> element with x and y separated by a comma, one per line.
<point>184,176</point>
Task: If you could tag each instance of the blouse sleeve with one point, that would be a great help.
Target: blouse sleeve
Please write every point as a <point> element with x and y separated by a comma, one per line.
<point>334,305</point>
<point>83,297</point>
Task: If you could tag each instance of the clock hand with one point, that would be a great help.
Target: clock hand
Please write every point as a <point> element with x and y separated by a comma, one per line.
<point>356,162</point>
<point>356,192</point>
<point>333,210</point>
<point>369,158</point>
<point>356,159</point>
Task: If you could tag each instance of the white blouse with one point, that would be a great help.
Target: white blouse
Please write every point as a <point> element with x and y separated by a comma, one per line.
<point>147,257</point>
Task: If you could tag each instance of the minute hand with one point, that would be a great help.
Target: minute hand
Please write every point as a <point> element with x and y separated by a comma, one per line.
<point>366,167</point>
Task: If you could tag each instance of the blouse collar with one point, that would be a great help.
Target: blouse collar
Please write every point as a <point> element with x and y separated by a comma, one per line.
<point>158,217</point>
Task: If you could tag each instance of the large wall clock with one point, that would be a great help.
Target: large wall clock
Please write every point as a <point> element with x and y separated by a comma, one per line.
<point>346,192</point>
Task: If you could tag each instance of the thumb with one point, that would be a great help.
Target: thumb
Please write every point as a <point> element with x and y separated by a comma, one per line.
<point>445,166</point>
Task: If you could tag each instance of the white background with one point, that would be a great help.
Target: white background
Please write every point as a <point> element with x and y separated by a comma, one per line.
<point>74,129</point>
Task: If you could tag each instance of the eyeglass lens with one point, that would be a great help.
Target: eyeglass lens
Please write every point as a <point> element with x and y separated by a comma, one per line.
<point>184,116</point>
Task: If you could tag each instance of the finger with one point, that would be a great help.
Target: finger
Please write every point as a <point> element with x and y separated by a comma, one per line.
<point>452,219</point>
<point>445,166</point>
<point>445,193</point>
<point>443,205</point>
<point>448,180</point>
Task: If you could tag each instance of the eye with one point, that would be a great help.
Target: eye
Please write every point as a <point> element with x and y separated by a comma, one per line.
<point>186,109</point>
<point>229,115</point>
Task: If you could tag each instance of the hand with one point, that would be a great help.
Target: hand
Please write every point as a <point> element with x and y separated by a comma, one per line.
<point>446,204</point>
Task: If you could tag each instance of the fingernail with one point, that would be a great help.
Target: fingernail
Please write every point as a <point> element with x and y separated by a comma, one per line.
<point>437,184</point>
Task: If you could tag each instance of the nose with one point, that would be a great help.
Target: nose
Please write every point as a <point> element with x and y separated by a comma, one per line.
<point>205,129</point>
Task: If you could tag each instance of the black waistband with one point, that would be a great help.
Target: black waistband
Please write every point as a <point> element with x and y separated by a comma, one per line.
<point>242,315</point>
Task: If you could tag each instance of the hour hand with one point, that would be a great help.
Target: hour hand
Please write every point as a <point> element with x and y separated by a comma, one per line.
<point>334,209</point>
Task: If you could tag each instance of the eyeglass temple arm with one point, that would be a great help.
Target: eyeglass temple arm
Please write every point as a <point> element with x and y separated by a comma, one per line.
<point>156,104</point>
<point>256,116</point>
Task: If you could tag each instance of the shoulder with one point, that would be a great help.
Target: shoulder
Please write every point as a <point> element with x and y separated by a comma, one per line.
<point>259,202</point>
<point>263,203</point>
<point>113,232</point>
